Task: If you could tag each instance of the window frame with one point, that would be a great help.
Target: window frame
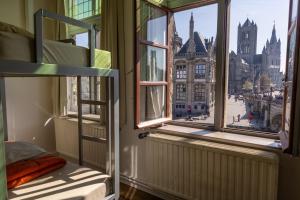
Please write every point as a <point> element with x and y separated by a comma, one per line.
<point>222,72</point>
<point>73,31</point>
<point>181,73</point>
<point>198,92</point>
<point>94,19</point>
<point>179,87</point>
<point>290,141</point>
<point>169,60</point>
<point>201,68</point>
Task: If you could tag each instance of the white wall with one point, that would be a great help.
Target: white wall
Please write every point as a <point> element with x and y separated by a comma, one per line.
<point>29,104</point>
<point>29,111</point>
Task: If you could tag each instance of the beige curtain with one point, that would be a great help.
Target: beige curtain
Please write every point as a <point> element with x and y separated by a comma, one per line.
<point>117,36</point>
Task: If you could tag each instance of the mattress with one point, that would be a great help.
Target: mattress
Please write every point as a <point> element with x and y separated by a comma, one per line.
<point>14,46</point>
<point>70,182</point>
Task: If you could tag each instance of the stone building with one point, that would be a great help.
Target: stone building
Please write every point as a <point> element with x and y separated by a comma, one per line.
<point>247,65</point>
<point>194,74</point>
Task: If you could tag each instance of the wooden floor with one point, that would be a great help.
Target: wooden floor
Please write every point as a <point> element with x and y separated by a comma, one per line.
<point>130,193</point>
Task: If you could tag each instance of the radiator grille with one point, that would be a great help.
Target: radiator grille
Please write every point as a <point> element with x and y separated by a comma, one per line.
<point>67,141</point>
<point>205,170</point>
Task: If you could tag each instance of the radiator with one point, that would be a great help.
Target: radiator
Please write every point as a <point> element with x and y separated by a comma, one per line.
<point>204,170</point>
<point>66,134</point>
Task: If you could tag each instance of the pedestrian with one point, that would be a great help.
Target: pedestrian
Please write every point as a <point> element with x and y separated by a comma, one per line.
<point>233,119</point>
<point>239,117</point>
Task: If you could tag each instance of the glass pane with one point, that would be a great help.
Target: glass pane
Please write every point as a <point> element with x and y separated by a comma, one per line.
<point>257,59</point>
<point>288,100</point>
<point>153,24</point>
<point>290,66</point>
<point>82,39</point>
<point>90,90</point>
<point>194,64</point>
<point>153,63</point>
<point>153,102</point>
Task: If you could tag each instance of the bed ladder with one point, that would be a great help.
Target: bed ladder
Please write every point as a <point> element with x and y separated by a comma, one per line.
<point>81,135</point>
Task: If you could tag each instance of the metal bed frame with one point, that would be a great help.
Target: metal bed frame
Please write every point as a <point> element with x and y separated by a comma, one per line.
<point>13,68</point>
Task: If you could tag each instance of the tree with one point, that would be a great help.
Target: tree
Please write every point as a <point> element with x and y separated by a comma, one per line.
<point>265,83</point>
<point>248,85</point>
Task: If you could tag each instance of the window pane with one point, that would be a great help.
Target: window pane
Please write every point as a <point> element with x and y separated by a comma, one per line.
<point>80,9</point>
<point>180,72</point>
<point>153,99</point>
<point>153,63</point>
<point>200,71</point>
<point>194,64</point>
<point>257,64</point>
<point>290,67</point>
<point>180,92</point>
<point>82,39</point>
<point>153,24</point>
<point>90,90</point>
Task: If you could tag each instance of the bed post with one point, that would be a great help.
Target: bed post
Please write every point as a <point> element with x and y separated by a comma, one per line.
<point>116,135</point>
<point>38,35</point>
<point>3,134</point>
<point>3,105</point>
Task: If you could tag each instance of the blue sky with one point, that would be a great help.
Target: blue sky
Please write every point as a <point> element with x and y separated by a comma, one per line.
<point>263,12</point>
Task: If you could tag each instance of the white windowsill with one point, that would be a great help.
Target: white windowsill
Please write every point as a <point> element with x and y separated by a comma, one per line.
<point>223,137</point>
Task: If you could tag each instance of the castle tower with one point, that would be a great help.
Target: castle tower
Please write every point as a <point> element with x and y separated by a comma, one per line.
<point>247,41</point>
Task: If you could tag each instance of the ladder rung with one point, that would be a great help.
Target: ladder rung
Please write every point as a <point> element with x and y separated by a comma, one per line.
<point>92,102</point>
<point>94,139</point>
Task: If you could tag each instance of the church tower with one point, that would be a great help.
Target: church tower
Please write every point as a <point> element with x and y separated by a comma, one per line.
<point>177,41</point>
<point>271,51</point>
<point>192,47</point>
<point>247,41</point>
<point>271,59</point>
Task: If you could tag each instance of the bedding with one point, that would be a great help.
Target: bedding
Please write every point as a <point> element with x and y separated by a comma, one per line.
<point>17,151</point>
<point>15,46</point>
<point>14,29</point>
<point>69,182</point>
<point>24,171</point>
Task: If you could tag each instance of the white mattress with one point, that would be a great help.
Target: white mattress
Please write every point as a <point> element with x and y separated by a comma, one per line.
<point>71,182</point>
<point>15,46</point>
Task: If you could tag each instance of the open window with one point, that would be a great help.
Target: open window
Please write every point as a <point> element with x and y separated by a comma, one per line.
<point>288,134</point>
<point>232,70</point>
<point>152,64</point>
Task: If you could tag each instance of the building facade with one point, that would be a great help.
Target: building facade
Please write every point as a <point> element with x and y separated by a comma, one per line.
<point>194,75</point>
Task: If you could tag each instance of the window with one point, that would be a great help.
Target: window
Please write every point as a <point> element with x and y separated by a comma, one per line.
<point>181,72</point>
<point>198,53</point>
<point>199,92</point>
<point>180,106</point>
<point>180,92</point>
<point>289,126</point>
<point>255,97</point>
<point>200,71</point>
<point>90,87</point>
<point>152,83</point>
<point>84,10</point>
<point>80,9</point>
<point>243,68</point>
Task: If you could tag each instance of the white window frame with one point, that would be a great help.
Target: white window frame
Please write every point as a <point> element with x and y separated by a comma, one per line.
<point>181,72</point>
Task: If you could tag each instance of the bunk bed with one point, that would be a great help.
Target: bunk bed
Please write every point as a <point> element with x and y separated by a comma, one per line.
<point>87,183</point>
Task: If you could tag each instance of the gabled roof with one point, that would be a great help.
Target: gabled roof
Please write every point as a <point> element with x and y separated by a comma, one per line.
<point>199,45</point>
